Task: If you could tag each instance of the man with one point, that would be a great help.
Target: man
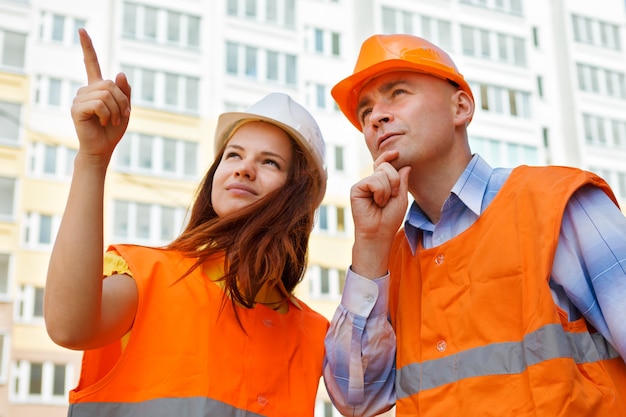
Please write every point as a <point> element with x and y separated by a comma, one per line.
<point>502,295</point>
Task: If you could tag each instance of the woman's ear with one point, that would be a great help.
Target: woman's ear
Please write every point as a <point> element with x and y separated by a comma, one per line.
<point>464,108</point>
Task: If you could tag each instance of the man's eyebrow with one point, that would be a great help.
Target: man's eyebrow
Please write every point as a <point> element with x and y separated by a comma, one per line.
<point>384,88</point>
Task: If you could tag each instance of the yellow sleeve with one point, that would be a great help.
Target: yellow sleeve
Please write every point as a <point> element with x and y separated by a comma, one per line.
<point>115,264</point>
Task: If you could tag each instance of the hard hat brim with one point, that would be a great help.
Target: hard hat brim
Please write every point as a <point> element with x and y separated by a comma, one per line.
<point>346,92</point>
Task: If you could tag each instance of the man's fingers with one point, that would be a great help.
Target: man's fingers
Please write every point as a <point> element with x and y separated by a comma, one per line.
<point>89,55</point>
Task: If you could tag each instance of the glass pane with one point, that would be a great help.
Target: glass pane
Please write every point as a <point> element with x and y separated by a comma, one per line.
<point>38,308</point>
<point>130,19</point>
<point>319,40</point>
<point>4,280</point>
<point>7,195</point>
<point>290,69</point>
<point>147,85</point>
<point>193,31</point>
<point>9,120</point>
<point>120,219</point>
<point>58,23</point>
<point>143,221</point>
<point>339,158</point>
<point>231,7</point>
<point>251,8</point>
<point>145,151</point>
<point>54,92</point>
<point>191,158</point>
<point>50,159</point>
<point>122,152</point>
<point>150,24</point>
<point>167,223</point>
<point>70,155</point>
<point>272,65</point>
<point>251,64</point>
<point>324,281</point>
<point>192,94</point>
<point>271,11</point>
<point>171,89</point>
<point>58,386</point>
<point>13,50</point>
<point>231,58</point>
<point>290,13</point>
<point>78,23</point>
<point>173,26</point>
<point>36,370</point>
<point>169,155</point>
<point>45,229</point>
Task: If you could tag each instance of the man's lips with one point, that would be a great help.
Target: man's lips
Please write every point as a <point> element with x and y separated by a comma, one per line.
<point>385,137</point>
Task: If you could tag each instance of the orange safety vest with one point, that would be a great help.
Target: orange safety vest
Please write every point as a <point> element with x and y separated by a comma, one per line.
<point>478,332</point>
<point>188,356</point>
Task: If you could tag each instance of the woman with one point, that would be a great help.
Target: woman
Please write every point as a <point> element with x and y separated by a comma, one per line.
<point>207,326</point>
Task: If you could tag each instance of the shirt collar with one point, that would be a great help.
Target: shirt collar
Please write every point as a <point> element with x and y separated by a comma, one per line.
<point>470,189</point>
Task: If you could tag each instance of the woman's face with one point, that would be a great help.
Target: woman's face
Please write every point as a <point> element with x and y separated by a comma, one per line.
<point>256,161</point>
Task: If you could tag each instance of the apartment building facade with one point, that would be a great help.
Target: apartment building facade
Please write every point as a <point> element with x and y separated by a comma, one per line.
<point>548,78</point>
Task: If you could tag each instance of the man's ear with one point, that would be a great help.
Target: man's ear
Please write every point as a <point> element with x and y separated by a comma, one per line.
<point>464,108</point>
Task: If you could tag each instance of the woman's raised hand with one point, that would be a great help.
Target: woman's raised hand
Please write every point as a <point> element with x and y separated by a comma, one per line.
<point>101,109</point>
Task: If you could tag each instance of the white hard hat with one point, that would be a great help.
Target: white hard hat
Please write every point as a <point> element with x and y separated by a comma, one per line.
<point>280,110</point>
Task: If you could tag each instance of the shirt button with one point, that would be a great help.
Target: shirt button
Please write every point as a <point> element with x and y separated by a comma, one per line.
<point>369,298</point>
<point>441,345</point>
<point>439,259</point>
<point>262,400</point>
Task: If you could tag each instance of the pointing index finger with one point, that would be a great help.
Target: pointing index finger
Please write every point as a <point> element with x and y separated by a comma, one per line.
<point>89,55</point>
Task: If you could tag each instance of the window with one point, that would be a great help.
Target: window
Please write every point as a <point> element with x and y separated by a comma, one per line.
<point>146,223</point>
<point>12,49</point>
<point>10,122</point>
<point>507,6</point>
<point>502,100</point>
<point>156,155</point>
<point>175,92</point>
<point>53,161</point>
<point>29,304</point>
<point>596,32</point>
<point>4,355</point>
<point>7,198</point>
<point>505,154</point>
<point>277,12</point>
<point>332,219</point>
<point>163,26</point>
<point>403,21</point>
<point>39,230</point>
<point>339,158</point>
<point>5,283</point>
<point>260,64</point>
<point>40,382</point>
<point>507,48</point>
<point>326,42</point>
<point>601,81</point>
<point>55,92</point>
<point>325,282</point>
<point>62,29</point>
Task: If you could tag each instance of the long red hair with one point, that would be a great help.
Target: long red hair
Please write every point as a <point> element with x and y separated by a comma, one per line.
<point>265,243</point>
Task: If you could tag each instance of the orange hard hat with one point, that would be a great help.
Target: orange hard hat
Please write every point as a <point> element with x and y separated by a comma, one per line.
<point>386,53</point>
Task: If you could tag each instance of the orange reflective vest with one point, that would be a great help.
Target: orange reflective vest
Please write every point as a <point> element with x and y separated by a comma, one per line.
<point>478,332</point>
<point>188,356</point>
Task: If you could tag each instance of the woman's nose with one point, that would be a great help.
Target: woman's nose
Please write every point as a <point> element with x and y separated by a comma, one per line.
<point>245,168</point>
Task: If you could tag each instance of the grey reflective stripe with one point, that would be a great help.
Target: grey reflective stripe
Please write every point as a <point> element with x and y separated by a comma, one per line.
<point>162,407</point>
<point>548,342</point>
